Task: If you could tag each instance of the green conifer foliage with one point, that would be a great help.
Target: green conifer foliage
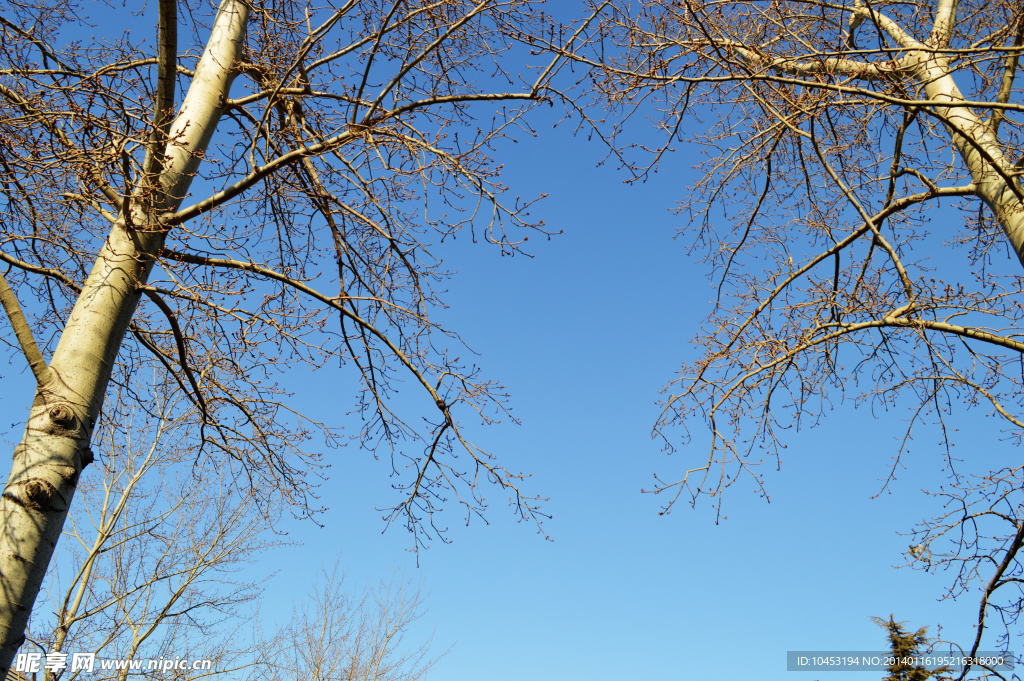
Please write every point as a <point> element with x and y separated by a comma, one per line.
<point>905,646</point>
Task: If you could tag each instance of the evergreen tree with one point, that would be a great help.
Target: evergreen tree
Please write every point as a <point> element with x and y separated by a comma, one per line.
<point>905,645</point>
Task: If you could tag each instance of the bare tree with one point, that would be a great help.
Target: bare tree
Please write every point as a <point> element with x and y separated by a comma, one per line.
<point>149,571</point>
<point>859,204</point>
<point>337,634</point>
<point>147,568</point>
<point>837,133</point>
<point>281,224</point>
<point>982,522</point>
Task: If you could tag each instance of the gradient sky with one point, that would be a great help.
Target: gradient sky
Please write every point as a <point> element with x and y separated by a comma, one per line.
<point>584,335</point>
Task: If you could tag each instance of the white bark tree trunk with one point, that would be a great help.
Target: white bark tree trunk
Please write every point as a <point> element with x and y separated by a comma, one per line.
<point>992,172</point>
<point>55,447</point>
<point>978,145</point>
<point>979,148</point>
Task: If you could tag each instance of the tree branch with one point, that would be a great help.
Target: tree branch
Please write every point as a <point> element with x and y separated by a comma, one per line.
<point>24,333</point>
<point>46,272</point>
<point>994,583</point>
<point>179,339</point>
<point>945,19</point>
<point>186,214</point>
<point>167,58</point>
<point>93,172</point>
<point>1009,74</point>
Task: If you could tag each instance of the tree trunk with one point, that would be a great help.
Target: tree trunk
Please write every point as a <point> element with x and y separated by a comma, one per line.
<point>55,447</point>
<point>979,148</point>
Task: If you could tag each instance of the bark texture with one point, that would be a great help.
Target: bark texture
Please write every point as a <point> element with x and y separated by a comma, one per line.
<point>55,447</point>
<point>980,149</point>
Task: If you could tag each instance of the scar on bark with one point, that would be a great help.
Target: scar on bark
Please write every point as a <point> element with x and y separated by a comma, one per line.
<point>36,495</point>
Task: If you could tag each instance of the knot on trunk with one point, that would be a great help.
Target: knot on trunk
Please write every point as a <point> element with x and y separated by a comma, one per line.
<point>62,421</point>
<point>36,495</point>
<point>61,415</point>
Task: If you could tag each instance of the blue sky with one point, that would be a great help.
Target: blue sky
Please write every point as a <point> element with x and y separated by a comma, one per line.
<point>584,335</point>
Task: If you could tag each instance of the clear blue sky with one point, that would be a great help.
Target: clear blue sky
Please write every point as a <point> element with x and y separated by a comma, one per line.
<point>584,335</point>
